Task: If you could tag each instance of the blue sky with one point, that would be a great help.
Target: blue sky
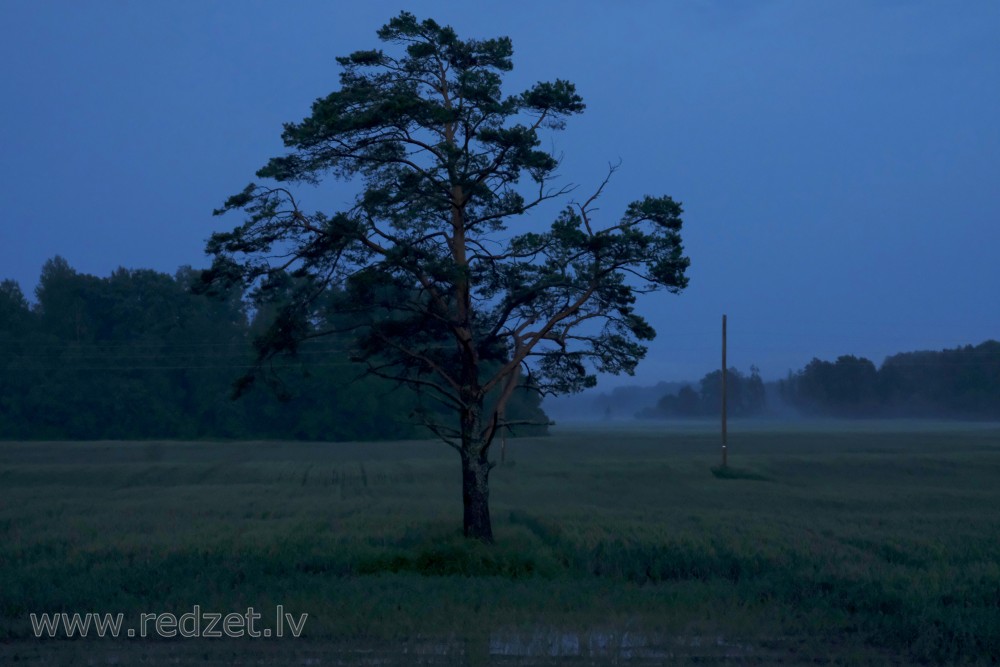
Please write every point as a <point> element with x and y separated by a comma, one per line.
<point>838,161</point>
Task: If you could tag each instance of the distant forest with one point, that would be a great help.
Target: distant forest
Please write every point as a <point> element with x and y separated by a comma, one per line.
<point>960,383</point>
<point>745,397</point>
<point>963,383</point>
<point>140,354</point>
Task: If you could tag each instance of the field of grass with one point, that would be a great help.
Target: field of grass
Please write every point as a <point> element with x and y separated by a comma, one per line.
<point>870,543</point>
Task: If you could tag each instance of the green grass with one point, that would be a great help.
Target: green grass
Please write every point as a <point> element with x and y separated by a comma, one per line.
<point>821,543</point>
<point>729,472</point>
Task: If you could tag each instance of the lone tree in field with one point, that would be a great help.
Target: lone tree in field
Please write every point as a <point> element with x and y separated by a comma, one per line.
<point>437,291</point>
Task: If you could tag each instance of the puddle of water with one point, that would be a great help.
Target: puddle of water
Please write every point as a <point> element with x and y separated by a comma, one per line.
<point>626,645</point>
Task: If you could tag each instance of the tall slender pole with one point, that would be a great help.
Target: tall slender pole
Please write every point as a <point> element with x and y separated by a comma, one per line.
<point>724,461</point>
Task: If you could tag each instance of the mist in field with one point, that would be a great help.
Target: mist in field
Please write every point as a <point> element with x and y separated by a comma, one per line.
<point>962,383</point>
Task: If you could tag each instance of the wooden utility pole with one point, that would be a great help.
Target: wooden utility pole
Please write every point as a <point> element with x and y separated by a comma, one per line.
<point>724,461</point>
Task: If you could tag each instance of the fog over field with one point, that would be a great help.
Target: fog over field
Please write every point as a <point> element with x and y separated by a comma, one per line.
<point>963,383</point>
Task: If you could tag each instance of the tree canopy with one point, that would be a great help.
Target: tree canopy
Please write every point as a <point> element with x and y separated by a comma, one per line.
<point>444,294</point>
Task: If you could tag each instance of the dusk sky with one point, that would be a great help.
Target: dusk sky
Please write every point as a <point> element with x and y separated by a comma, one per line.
<point>838,162</point>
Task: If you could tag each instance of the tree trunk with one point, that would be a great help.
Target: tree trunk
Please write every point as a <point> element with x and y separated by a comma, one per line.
<point>476,521</point>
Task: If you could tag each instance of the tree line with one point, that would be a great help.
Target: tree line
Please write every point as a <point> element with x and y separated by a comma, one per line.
<point>745,397</point>
<point>962,383</point>
<point>143,354</point>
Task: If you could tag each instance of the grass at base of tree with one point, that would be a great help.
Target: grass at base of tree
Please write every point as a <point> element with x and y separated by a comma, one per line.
<point>729,472</point>
<point>856,544</point>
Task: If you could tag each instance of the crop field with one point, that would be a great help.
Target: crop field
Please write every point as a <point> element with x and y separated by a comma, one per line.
<point>866,543</point>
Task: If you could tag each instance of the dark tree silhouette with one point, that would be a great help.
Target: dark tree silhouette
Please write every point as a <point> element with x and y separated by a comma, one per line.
<point>745,397</point>
<point>444,294</point>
